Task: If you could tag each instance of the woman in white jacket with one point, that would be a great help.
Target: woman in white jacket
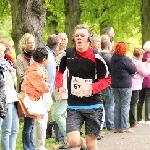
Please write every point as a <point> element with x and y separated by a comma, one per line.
<point>10,124</point>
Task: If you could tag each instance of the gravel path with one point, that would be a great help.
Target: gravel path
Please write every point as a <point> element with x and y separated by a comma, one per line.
<point>138,140</point>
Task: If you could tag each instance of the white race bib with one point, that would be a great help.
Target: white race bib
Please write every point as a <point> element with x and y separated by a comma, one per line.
<point>75,87</point>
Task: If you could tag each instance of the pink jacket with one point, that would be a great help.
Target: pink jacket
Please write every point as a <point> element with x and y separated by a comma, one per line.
<point>143,70</point>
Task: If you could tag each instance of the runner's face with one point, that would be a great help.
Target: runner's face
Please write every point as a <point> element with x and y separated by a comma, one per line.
<point>81,39</point>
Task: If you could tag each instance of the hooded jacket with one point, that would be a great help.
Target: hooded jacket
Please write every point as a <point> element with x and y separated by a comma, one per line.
<point>122,70</point>
<point>143,70</point>
<point>35,84</point>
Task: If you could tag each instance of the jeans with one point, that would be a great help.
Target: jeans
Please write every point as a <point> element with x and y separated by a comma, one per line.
<point>122,98</point>
<point>108,99</point>
<point>60,115</point>
<point>144,95</point>
<point>27,134</point>
<point>1,120</point>
<point>134,99</point>
<point>10,128</point>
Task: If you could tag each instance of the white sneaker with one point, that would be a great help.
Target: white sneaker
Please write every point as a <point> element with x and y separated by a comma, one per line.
<point>147,122</point>
<point>141,122</point>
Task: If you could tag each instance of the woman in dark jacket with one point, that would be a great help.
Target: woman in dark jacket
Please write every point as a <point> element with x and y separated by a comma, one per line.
<point>122,70</point>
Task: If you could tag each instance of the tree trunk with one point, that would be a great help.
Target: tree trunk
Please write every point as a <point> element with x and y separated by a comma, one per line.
<point>72,13</point>
<point>28,16</point>
<point>145,21</point>
<point>51,27</point>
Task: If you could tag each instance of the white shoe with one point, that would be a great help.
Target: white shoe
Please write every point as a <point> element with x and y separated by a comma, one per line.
<point>147,122</point>
<point>41,148</point>
<point>141,122</point>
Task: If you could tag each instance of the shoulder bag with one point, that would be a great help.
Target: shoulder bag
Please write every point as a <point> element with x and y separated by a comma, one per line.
<point>35,108</point>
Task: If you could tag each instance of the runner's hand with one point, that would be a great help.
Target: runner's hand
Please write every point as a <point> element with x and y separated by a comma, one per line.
<point>84,89</point>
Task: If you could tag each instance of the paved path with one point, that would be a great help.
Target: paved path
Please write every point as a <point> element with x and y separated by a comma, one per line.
<point>138,140</point>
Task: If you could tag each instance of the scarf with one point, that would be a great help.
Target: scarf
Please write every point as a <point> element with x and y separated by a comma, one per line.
<point>27,55</point>
<point>11,61</point>
<point>3,66</point>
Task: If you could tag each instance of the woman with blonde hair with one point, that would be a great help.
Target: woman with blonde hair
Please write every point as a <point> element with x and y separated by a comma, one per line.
<point>27,46</point>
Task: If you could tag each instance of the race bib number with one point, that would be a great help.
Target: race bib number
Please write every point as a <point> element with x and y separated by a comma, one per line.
<point>75,87</point>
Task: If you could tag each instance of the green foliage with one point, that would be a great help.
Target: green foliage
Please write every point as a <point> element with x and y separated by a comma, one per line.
<point>123,16</point>
<point>6,27</point>
<point>4,9</point>
<point>55,12</point>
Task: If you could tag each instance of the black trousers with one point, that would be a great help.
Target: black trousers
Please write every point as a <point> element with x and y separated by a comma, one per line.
<point>134,99</point>
<point>144,96</point>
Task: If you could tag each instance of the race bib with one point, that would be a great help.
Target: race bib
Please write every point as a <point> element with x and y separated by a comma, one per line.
<point>75,87</point>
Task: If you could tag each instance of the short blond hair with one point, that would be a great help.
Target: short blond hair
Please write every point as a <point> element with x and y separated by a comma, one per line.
<point>6,42</point>
<point>83,26</point>
<point>23,41</point>
<point>146,46</point>
<point>2,47</point>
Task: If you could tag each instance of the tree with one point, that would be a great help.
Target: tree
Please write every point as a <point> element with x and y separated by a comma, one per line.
<point>145,21</point>
<point>72,14</point>
<point>28,16</point>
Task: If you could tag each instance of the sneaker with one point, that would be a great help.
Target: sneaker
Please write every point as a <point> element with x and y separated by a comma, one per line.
<point>135,125</point>
<point>147,122</point>
<point>83,148</point>
<point>141,122</point>
<point>64,147</point>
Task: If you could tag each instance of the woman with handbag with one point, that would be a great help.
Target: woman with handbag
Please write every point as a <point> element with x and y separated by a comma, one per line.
<point>10,124</point>
<point>34,85</point>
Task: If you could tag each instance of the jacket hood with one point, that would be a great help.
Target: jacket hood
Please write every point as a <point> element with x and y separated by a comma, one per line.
<point>33,67</point>
<point>117,58</point>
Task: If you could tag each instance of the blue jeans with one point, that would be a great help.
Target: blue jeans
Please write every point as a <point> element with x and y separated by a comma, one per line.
<point>10,128</point>
<point>27,134</point>
<point>108,99</point>
<point>122,98</point>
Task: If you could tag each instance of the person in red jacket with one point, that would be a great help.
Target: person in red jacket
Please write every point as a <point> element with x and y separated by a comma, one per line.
<point>88,75</point>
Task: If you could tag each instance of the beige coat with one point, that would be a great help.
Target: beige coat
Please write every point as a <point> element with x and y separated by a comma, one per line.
<point>22,65</point>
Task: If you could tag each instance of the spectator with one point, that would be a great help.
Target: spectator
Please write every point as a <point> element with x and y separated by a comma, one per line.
<point>27,46</point>
<point>96,42</point>
<point>122,70</point>
<point>10,124</point>
<point>107,93</point>
<point>144,94</point>
<point>60,112</point>
<point>143,70</point>
<point>35,84</point>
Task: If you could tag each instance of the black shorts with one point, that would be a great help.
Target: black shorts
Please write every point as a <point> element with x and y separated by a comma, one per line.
<point>91,117</point>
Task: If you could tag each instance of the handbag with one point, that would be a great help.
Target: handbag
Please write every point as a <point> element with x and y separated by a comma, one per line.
<point>19,110</point>
<point>36,108</point>
<point>3,107</point>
